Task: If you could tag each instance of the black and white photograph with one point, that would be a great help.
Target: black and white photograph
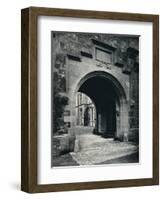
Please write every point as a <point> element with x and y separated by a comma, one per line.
<point>89,99</point>
<point>94,99</point>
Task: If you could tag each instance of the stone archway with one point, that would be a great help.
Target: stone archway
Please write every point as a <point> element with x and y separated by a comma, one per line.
<point>110,101</point>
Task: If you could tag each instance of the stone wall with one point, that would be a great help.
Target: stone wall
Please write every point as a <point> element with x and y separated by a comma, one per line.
<point>74,56</point>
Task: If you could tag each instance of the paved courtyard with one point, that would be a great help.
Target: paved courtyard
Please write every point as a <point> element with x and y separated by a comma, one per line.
<point>92,149</point>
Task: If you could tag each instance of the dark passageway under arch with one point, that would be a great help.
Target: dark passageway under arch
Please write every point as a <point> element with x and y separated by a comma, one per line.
<point>107,97</point>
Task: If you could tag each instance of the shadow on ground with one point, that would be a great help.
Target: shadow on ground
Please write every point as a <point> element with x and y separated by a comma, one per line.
<point>95,150</point>
<point>67,160</point>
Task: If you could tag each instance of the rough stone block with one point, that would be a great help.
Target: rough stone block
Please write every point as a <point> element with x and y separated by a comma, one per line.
<point>63,144</point>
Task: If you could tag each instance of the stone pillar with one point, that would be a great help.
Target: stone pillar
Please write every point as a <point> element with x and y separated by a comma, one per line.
<point>117,120</point>
<point>99,122</point>
<point>124,126</point>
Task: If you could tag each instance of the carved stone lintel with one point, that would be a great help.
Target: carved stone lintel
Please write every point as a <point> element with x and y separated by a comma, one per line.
<point>104,45</point>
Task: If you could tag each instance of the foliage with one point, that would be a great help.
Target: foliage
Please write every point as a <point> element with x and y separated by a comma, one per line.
<point>60,100</point>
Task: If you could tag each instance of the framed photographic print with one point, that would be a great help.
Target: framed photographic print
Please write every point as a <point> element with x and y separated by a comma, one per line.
<point>90,99</point>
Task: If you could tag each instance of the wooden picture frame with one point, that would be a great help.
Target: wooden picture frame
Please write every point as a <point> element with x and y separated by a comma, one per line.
<point>29,112</point>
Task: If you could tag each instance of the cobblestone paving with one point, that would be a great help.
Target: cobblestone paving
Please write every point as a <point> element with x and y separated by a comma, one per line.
<point>92,149</point>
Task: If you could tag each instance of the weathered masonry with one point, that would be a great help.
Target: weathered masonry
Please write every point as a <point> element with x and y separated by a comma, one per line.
<point>106,69</point>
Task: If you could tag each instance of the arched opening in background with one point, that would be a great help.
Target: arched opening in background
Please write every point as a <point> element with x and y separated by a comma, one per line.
<point>107,96</point>
<point>86,111</point>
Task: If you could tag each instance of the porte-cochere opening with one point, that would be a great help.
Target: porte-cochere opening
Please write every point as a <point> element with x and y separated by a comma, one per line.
<point>100,102</point>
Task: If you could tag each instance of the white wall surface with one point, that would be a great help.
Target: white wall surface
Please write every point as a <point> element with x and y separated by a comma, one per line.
<point>10,98</point>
